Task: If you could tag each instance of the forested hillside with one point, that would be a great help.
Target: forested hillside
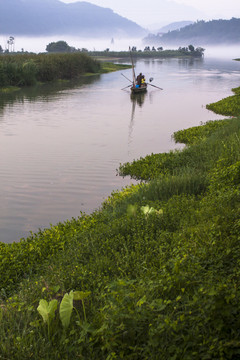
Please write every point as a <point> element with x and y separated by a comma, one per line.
<point>202,32</point>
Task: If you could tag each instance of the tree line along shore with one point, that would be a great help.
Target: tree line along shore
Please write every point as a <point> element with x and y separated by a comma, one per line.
<point>153,274</point>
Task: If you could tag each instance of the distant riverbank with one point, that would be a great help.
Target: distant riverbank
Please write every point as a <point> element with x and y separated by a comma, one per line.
<point>181,52</point>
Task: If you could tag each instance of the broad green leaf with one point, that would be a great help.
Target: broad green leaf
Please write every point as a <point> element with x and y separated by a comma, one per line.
<point>66,308</point>
<point>47,310</point>
<point>147,210</point>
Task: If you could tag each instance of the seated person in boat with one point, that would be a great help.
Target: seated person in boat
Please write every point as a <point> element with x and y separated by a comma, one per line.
<point>143,80</point>
<point>140,80</point>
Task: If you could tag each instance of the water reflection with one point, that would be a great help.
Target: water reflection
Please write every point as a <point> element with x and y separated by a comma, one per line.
<point>61,143</point>
<point>137,100</point>
<point>43,92</point>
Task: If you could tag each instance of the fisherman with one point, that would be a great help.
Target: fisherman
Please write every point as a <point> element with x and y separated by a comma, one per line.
<point>143,80</point>
<point>139,79</point>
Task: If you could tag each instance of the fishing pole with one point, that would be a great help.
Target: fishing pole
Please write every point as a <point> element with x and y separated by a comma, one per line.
<point>126,78</point>
<point>155,86</point>
<point>126,87</point>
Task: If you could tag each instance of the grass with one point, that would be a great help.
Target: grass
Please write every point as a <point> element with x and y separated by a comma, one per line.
<point>229,106</point>
<point>157,267</point>
<point>29,69</point>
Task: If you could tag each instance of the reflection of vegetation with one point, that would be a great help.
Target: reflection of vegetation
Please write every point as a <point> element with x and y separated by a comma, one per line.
<point>138,98</point>
<point>44,91</point>
<point>157,265</point>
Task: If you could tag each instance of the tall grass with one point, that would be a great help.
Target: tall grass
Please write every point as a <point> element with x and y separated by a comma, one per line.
<point>22,70</point>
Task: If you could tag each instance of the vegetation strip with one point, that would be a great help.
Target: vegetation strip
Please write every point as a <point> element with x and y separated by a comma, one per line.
<point>154,274</point>
<point>28,69</point>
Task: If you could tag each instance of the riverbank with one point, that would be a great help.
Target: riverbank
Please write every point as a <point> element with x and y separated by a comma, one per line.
<point>154,272</point>
<point>168,53</point>
<point>22,70</point>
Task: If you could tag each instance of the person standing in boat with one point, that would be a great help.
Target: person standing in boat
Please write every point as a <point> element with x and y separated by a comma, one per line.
<point>139,79</point>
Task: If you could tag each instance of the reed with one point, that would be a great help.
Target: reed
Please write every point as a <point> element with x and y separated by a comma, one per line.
<point>24,70</point>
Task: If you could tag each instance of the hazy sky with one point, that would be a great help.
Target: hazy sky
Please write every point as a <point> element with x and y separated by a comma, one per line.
<point>148,12</point>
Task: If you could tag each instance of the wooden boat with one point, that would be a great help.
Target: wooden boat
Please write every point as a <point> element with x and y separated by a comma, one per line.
<point>135,89</point>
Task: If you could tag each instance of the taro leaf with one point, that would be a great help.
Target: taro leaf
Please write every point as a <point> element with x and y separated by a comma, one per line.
<point>66,308</point>
<point>147,210</point>
<point>81,295</point>
<point>47,310</point>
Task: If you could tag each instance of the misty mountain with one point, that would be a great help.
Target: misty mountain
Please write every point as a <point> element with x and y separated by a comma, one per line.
<point>201,33</point>
<point>53,17</point>
<point>174,26</point>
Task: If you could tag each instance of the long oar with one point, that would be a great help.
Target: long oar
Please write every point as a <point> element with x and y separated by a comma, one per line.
<point>127,78</point>
<point>155,86</point>
<point>126,87</point>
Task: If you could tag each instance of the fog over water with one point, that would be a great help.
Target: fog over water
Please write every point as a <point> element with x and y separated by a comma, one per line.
<point>38,44</point>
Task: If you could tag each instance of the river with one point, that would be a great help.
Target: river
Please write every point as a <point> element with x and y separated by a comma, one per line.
<point>62,143</point>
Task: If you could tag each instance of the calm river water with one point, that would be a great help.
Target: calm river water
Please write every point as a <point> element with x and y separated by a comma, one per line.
<point>61,144</point>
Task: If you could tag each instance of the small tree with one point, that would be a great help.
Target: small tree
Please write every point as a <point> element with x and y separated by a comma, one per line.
<point>191,48</point>
<point>200,50</point>
<point>59,46</point>
<point>10,43</point>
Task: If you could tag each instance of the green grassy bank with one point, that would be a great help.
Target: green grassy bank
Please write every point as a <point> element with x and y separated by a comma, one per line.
<point>30,69</point>
<point>154,274</point>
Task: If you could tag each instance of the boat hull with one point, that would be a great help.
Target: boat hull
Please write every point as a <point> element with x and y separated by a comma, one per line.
<point>138,90</point>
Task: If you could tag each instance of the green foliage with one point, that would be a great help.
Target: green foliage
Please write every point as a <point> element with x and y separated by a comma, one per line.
<point>160,260</point>
<point>47,310</point>
<point>66,308</point>
<point>229,106</point>
<point>198,133</point>
<point>181,52</point>
<point>59,46</point>
<point>22,70</point>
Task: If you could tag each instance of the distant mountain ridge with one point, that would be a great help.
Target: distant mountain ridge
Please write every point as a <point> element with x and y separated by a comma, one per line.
<point>174,26</point>
<point>214,32</point>
<point>53,17</point>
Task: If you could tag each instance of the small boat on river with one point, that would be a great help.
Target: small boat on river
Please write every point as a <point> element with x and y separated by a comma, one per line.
<point>136,89</point>
<point>139,84</point>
